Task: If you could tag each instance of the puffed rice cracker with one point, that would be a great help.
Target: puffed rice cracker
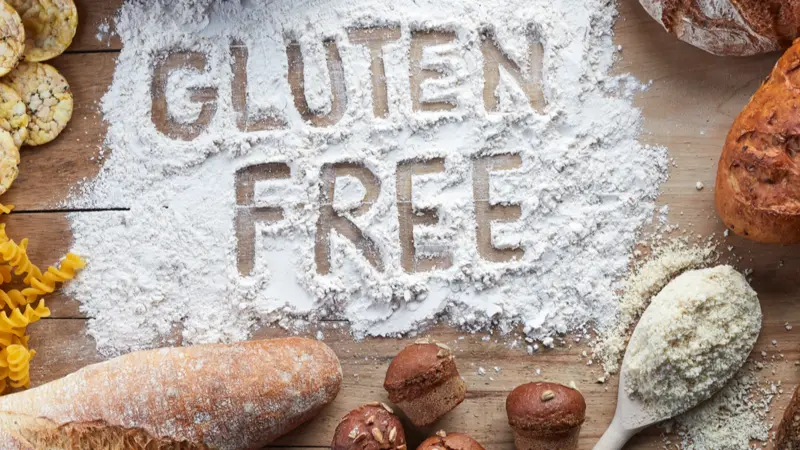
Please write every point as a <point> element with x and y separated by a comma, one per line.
<point>47,97</point>
<point>50,26</point>
<point>12,38</point>
<point>13,114</point>
<point>9,161</point>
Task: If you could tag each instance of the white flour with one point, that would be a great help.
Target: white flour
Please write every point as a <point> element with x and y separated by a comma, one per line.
<point>168,266</point>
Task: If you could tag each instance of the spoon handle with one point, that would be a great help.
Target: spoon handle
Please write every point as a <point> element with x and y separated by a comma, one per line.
<point>615,436</point>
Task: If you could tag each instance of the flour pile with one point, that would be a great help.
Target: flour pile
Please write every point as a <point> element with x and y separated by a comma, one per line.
<point>571,200</point>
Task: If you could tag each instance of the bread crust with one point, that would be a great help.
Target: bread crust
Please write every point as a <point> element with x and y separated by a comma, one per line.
<point>356,431</point>
<point>730,27</point>
<point>229,397</point>
<point>758,178</point>
<point>450,441</point>
<point>788,434</point>
<point>545,409</point>
<point>417,369</point>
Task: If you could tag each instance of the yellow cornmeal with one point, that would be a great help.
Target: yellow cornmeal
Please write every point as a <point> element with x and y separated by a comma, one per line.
<point>13,114</point>
<point>696,334</point>
<point>12,43</point>
<point>9,161</point>
<point>50,26</point>
<point>47,97</point>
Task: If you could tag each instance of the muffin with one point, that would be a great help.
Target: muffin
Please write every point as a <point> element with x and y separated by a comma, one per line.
<point>370,427</point>
<point>423,381</point>
<point>450,441</point>
<point>545,416</point>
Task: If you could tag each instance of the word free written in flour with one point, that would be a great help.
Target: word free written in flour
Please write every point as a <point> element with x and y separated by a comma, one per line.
<point>432,86</point>
<point>351,160</point>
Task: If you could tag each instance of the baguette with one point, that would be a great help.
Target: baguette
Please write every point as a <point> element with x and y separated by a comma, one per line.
<point>228,397</point>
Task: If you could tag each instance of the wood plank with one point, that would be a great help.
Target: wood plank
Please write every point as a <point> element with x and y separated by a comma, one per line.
<point>91,14</point>
<point>49,172</point>
<point>64,346</point>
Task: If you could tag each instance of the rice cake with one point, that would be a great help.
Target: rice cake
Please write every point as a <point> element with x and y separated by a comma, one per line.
<point>13,114</point>
<point>9,161</point>
<point>47,97</point>
<point>50,26</point>
<point>12,44</point>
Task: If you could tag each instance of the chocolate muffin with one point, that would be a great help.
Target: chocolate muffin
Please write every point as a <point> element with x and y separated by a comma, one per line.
<point>370,427</point>
<point>423,381</point>
<point>545,416</point>
<point>450,441</point>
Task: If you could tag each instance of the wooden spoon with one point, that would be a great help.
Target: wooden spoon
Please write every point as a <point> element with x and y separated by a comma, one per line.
<point>631,417</point>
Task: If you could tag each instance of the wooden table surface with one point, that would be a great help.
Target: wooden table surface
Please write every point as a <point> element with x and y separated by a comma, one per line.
<point>689,108</point>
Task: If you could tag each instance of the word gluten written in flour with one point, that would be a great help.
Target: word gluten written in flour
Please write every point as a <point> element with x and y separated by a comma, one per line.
<point>375,40</point>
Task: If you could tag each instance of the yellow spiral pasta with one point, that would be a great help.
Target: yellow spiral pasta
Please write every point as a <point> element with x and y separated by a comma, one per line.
<point>19,365</point>
<point>5,273</point>
<point>17,257</point>
<point>6,209</point>
<point>15,299</point>
<point>46,283</point>
<point>18,320</point>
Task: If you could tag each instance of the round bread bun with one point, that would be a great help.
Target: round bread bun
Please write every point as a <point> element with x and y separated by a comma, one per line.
<point>545,408</point>
<point>450,441</point>
<point>369,427</point>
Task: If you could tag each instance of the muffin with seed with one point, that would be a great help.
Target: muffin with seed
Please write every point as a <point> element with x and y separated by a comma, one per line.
<point>450,441</point>
<point>424,382</point>
<point>370,427</point>
<point>545,416</point>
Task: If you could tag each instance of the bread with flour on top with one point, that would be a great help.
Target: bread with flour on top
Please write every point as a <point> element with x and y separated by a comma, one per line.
<point>228,397</point>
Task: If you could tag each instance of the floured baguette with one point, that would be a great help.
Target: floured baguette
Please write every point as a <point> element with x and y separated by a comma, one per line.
<point>230,397</point>
<point>758,181</point>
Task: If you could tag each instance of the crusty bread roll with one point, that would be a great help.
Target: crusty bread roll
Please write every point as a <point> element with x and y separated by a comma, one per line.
<point>234,397</point>
<point>788,434</point>
<point>545,416</point>
<point>423,381</point>
<point>730,27</point>
<point>758,180</point>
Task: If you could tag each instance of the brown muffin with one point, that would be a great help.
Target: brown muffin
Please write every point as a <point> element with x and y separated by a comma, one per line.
<point>370,427</point>
<point>450,441</point>
<point>545,416</point>
<point>423,381</point>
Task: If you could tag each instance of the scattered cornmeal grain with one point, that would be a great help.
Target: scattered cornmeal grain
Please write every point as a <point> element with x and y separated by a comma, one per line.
<point>667,263</point>
<point>696,334</point>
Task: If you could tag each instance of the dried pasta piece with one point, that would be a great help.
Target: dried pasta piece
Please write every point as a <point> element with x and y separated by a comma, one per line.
<point>50,26</point>
<point>46,283</point>
<point>12,38</point>
<point>15,299</point>
<point>19,365</point>
<point>6,209</point>
<point>47,97</point>
<point>13,114</point>
<point>17,257</point>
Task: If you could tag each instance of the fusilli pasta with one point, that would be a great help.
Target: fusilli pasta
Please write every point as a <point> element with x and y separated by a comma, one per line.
<point>19,365</point>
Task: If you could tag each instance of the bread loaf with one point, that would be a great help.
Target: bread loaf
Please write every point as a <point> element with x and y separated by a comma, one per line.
<point>730,27</point>
<point>758,180</point>
<point>231,397</point>
<point>788,435</point>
